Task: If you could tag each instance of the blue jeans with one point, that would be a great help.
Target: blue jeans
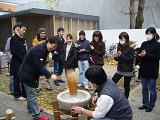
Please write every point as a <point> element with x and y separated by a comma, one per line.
<point>58,68</point>
<point>83,66</point>
<point>11,84</point>
<point>32,105</point>
<point>149,92</point>
<point>104,118</point>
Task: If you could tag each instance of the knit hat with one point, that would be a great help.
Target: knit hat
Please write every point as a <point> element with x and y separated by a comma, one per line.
<point>41,30</point>
<point>82,33</point>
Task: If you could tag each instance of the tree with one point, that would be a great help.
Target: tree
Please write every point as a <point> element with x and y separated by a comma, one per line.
<point>50,3</point>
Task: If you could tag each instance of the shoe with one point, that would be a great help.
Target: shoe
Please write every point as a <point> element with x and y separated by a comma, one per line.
<point>61,81</point>
<point>20,98</point>
<point>56,83</point>
<point>148,109</point>
<point>79,85</point>
<point>38,90</point>
<point>86,87</point>
<point>142,107</point>
<point>42,117</point>
<point>49,88</point>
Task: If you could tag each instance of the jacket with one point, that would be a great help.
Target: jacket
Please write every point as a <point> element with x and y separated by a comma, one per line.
<point>125,60</point>
<point>72,60</point>
<point>33,65</point>
<point>58,55</point>
<point>36,41</point>
<point>98,52</point>
<point>82,56</point>
<point>121,109</point>
<point>18,51</point>
<point>149,64</point>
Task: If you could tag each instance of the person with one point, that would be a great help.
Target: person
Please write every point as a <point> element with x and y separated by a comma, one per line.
<point>9,55</point>
<point>149,67</point>
<point>83,55</point>
<point>40,38</point>
<point>124,56</point>
<point>70,54</point>
<point>58,57</point>
<point>97,47</point>
<point>32,68</point>
<point>110,103</point>
<point>18,50</point>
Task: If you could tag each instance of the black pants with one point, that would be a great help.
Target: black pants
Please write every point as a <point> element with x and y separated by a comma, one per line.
<point>127,80</point>
<point>19,88</point>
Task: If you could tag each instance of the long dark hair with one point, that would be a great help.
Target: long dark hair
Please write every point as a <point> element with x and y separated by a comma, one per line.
<point>153,31</point>
<point>97,34</point>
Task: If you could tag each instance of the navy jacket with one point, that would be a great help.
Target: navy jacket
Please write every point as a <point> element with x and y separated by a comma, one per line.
<point>33,65</point>
<point>82,56</point>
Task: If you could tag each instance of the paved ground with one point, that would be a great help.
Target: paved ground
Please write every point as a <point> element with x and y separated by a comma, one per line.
<point>20,111</point>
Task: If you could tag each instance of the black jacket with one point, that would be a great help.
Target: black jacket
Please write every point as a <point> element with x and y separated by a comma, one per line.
<point>33,65</point>
<point>98,52</point>
<point>72,60</point>
<point>58,56</point>
<point>149,64</point>
<point>82,56</point>
<point>18,51</point>
<point>125,60</point>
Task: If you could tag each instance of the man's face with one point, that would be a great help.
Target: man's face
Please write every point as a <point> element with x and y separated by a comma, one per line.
<point>22,31</point>
<point>81,37</point>
<point>16,31</point>
<point>69,40</point>
<point>42,35</point>
<point>61,33</point>
<point>51,47</point>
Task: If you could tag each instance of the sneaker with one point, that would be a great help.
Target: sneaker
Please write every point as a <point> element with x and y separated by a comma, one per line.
<point>148,109</point>
<point>56,83</point>
<point>86,87</point>
<point>79,85</point>
<point>142,107</point>
<point>49,88</point>
<point>38,90</point>
<point>61,81</point>
<point>20,98</point>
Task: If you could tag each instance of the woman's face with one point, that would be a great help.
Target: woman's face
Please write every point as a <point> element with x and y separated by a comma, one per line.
<point>69,40</point>
<point>96,38</point>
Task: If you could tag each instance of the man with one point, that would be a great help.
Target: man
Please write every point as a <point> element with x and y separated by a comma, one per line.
<point>110,103</point>
<point>18,51</point>
<point>83,55</point>
<point>58,56</point>
<point>32,68</point>
<point>8,52</point>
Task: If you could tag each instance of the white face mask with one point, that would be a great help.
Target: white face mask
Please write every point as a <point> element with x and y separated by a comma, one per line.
<point>122,42</point>
<point>149,37</point>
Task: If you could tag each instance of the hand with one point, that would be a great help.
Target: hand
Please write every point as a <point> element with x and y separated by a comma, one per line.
<point>119,53</point>
<point>76,110</point>
<point>53,77</point>
<point>142,54</point>
<point>81,50</point>
<point>94,100</point>
<point>92,47</point>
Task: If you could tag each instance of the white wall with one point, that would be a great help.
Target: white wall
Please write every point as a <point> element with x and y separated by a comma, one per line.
<point>111,36</point>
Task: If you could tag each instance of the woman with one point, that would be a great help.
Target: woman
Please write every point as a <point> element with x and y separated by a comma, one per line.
<point>110,103</point>
<point>124,56</point>
<point>97,47</point>
<point>149,67</point>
